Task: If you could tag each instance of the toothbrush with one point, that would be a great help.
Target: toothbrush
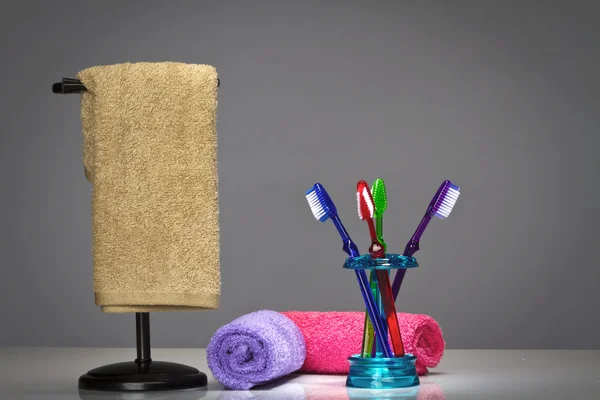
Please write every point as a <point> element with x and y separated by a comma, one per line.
<point>440,206</point>
<point>366,208</point>
<point>323,209</point>
<point>380,199</point>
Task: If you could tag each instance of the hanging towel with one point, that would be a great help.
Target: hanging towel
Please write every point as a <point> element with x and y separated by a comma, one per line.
<point>255,349</point>
<point>332,337</point>
<point>150,153</point>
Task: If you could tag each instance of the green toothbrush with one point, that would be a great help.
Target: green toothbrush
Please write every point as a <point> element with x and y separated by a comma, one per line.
<point>380,199</point>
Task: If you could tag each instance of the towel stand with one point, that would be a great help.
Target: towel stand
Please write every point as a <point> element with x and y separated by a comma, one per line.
<point>70,85</point>
<point>143,374</point>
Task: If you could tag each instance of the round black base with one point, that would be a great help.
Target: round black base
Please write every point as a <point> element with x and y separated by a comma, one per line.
<point>142,376</point>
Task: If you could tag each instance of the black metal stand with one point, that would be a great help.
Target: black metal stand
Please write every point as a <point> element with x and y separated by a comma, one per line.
<point>143,374</point>
<point>70,85</point>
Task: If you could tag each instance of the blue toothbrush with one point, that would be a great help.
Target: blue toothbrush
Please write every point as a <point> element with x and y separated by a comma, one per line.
<point>323,209</point>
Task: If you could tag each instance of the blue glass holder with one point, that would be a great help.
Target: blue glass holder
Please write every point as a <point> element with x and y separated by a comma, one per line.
<point>380,372</point>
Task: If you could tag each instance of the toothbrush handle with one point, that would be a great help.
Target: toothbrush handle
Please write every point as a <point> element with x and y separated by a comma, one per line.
<point>349,246</point>
<point>373,311</point>
<point>376,347</point>
<point>411,248</point>
<point>352,250</point>
<point>384,322</point>
<point>376,249</point>
<point>369,348</point>
<point>368,330</point>
<point>379,230</point>
<point>383,280</point>
<point>413,245</point>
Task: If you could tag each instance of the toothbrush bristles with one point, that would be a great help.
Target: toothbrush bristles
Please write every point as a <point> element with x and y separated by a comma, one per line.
<point>364,200</point>
<point>358,205</point>
<point>445,203</point>
<point>320,203</point>
<point>368,201</point>
<point>315,205</point>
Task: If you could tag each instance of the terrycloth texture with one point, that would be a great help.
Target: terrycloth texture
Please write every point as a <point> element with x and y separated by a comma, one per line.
<point>150,153</point>
<point>331,337</point>
<point>255,349</point>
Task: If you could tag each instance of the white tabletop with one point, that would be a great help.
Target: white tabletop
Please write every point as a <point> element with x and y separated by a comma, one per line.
<point>52,373</point>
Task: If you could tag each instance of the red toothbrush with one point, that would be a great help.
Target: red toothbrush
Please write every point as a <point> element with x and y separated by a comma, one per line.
<point>366,208</point>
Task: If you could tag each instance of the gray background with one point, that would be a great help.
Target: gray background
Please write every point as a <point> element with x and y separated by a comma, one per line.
<point>500,97</point>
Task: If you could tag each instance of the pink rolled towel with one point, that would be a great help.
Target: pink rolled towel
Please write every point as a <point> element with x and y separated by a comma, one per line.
<point>331,337</point>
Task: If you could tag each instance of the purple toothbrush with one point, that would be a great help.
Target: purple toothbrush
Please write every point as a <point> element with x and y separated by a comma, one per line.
<point>440,206</point>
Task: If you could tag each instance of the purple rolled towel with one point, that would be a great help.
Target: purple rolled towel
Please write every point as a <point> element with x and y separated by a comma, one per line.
<point>255,349</point>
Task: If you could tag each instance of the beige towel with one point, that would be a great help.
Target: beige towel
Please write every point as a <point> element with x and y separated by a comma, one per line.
<point>150,153</point>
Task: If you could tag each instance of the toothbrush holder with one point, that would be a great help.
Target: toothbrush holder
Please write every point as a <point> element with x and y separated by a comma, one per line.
<point>380,372</point>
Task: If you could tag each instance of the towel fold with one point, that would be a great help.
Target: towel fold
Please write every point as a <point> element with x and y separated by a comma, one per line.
<point>331,337</point>
<point>255,349</point>
<point>149,151</point>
